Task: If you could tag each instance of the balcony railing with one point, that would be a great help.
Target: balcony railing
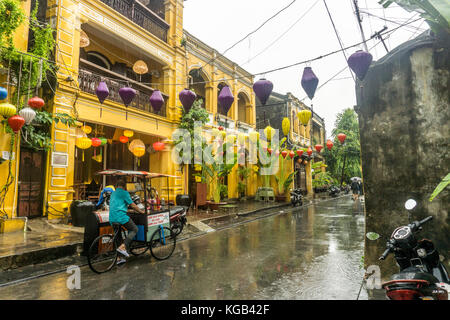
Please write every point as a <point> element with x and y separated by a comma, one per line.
<point>90,75</point>
<point>141,15</point>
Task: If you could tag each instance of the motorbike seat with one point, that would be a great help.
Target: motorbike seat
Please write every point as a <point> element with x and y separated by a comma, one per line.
<point>175,210</point>
<point>414,273</point>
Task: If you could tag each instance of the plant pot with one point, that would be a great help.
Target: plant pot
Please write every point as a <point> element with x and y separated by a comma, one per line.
<point>281,198</point>
<point>215,205</point>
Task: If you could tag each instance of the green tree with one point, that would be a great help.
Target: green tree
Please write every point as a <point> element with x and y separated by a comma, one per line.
<point>348,154</point>
<point>435,12</point>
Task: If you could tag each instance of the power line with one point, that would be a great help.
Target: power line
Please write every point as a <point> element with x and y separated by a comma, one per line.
<point>343,69</point>
<point>235,44</point>
<point>284,33</point>
<point>337,34</point>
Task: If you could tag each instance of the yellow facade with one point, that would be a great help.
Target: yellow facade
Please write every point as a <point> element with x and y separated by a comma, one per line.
<point>118,37</point>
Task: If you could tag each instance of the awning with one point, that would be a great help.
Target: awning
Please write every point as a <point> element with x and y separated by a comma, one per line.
<point>146,174</point>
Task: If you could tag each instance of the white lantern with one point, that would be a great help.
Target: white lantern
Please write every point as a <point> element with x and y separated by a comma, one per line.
<point>28,114</point>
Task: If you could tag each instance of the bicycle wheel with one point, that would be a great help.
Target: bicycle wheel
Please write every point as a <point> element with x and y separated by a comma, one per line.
<point>137,248</point>
<point>162,243</point>
<point>102,253</point>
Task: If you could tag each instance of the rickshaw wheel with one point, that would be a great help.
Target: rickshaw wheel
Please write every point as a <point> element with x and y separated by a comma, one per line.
<point>138,248</point>
<point>162,247</point>
<point>102,254</point>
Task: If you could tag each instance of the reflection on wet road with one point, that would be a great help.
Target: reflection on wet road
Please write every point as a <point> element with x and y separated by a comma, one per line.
<point>304,253</point>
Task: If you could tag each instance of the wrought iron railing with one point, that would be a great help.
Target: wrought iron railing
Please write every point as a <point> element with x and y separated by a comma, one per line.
<point>141,15</point>
<point>90,75</point>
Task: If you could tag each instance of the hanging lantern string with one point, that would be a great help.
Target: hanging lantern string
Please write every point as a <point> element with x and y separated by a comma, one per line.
<point>19,80</point>
<point>29,79</point>
<point>387,32</point>
<point>38,83</point>
<point>7,78</point>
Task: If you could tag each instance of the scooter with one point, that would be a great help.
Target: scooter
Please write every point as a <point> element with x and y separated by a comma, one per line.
<point>334,191</point>
<point>296,197</point>
<point>422,276</point>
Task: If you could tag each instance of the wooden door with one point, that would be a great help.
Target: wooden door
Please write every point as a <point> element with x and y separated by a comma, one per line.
<point>31,183</point>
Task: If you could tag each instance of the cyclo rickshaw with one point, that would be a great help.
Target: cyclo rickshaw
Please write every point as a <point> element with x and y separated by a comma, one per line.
<point>155,231</point>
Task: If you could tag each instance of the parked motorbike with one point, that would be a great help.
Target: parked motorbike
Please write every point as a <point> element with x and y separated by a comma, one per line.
<point>345,189</point>
<point>422,276</point>
<point>334,191</point>
<point>177,214</point>
<point>296,197</point>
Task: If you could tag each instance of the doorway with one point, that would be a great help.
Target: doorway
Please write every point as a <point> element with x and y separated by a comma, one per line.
<point>31,183</point>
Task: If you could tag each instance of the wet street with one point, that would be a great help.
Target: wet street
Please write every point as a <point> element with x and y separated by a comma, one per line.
<point>312,252</point>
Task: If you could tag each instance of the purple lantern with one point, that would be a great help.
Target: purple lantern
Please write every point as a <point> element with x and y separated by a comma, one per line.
<point>157,100</point>
<point>263,88</point>
<point>226,99</point>
<point>102,91</point>
<point>360,62</point>
<point>309,82</point>
<point>127,94</point>
<point>187,98</point>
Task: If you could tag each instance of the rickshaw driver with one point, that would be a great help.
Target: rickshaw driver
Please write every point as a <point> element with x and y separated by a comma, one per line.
<point>118,206</point>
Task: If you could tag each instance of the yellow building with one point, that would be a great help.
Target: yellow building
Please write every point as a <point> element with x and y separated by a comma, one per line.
<point>208,72</point>
<point>112,42</point>
<point>280,106</point>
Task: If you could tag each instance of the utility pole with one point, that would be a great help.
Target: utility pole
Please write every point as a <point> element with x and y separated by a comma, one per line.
<point>378,35</point>
<point>358,17</point>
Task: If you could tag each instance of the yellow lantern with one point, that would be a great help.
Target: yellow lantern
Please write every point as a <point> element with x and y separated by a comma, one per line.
<point>254,136</point>
<point>231,138</point>
<point>128,133</point>
<point>140,67</point>
<point>269,132</point>
<point>198,179</point>
<point>137,148</point>
<point>7,110</point>
<point>286,126</point>
<point>304,116</point>
<point>84,39</point>
<point>138,151</point>
<point>198,167</point>
<point>241,139</point>
<point>83,143</point>
<point>223,134</point>
<point>87,129</point>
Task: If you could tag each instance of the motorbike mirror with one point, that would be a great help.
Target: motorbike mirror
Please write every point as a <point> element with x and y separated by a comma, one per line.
<point>410,204</point>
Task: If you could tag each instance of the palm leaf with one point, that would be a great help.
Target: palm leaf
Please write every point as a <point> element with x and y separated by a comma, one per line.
<point>441,186</point>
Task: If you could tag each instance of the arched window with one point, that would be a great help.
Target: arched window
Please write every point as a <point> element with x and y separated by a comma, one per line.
<point>243,101</point>
<point>197,83</point>
<point>98,59</point>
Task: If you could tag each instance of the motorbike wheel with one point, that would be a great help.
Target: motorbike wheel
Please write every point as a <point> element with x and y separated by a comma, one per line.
<point>177,227</point>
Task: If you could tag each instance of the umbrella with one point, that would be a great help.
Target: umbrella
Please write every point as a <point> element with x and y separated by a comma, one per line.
<point>355,178</point>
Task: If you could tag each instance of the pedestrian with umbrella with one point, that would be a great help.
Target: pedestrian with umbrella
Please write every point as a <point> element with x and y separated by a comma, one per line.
<point>355,188</point>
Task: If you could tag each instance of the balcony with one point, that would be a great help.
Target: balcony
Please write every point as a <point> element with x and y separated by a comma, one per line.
<point>141,15</point>
<point>90,75</point>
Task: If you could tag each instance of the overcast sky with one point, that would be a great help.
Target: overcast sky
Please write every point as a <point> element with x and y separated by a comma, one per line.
<point>220,24</point>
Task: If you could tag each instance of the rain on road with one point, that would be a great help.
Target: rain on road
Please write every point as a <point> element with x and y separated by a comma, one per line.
<point>312,252</point>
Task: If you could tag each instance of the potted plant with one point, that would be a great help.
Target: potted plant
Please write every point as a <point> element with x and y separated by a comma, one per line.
<point>217,172</point>
<point>243,174</point>
<point>284,180</point>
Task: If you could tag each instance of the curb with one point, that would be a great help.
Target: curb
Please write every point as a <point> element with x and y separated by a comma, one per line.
<point>38,256</point>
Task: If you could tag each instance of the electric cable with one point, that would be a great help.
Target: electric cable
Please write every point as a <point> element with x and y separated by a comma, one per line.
<point>283,34</point>
<point>337,35</point>
<point>235,44</point>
